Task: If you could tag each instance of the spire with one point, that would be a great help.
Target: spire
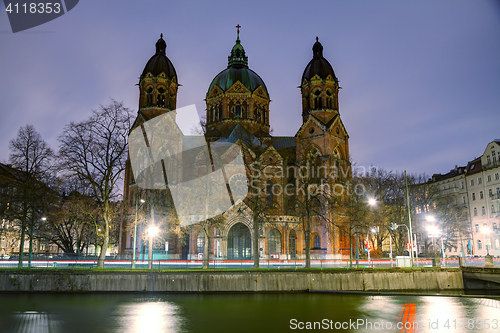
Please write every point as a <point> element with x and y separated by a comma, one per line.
<point>238,57</point>
<point>317,49</point>
<point>238,33</point>
<point>161,45</point>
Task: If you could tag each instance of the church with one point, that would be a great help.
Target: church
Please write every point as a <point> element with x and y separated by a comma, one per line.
<point>238,105</point>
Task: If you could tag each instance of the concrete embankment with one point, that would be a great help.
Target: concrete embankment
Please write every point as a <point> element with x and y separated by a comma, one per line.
<point>230,281</point>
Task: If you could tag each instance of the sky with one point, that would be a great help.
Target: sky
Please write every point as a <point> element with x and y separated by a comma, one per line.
<point>420,79</point>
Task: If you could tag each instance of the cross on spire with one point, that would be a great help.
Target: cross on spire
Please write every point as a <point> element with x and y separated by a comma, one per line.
<point>238,29</point>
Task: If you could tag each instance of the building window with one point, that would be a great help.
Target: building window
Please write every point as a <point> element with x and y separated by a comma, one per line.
<point>463,199</point>
<point>473,196</point>
<point>274,241</point>
<point>489,178</point>
<point>317,100</point>
<point>317,242</point>
<point>494,225</point>
<point>497,175</point>
<point>200,242</point>
<point>475,213</point>
<point>462,185</point>
<point>329,99</point>
<point>497,244</point>
<point>479,244</point>
<point>269,194</point>
<point>488,160</point>
<point>483,211</point>
<point>479,180</point>
<point>237,110</point>
<point>481,195</point>
<point>490,192</point>
<point>492,209</point>
<point>149,96</point>
<point>472,182</point>
<point>160,98</point>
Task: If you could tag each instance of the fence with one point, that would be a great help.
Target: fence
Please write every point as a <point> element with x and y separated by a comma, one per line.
<point>114,263</point>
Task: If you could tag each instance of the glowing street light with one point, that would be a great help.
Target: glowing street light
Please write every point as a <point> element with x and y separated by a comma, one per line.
<point>372,202</point>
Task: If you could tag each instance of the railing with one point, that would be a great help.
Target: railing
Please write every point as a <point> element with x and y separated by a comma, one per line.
<point>220,264</point>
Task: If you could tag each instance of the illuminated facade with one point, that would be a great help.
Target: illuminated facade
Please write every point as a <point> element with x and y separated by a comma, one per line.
<point>237,111</point>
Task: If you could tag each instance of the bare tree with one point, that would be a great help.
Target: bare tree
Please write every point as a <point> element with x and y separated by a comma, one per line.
<point>32,156</point>
<point>95,151</point>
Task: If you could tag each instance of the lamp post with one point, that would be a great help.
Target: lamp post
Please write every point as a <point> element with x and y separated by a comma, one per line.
<point>368,249</point>
<point>152,231</point>
<point>372,202</point>
<point>135,227</point>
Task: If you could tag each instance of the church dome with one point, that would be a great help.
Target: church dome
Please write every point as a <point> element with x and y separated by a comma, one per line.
<point>318,65</point>
<point>237,70</point>
<point>159,62</point>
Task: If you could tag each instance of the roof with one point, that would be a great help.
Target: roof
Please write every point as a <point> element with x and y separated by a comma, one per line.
<point>281,142</point>
<point>437,177</point>
<point>474,166</point>
<point>318,65</point>
<point>159,63</point>
<point>237,70</point>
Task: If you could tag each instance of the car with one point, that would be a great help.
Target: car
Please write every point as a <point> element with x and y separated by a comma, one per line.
<point>4,257</point>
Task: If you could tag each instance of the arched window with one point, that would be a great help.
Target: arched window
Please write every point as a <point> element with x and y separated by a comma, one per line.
<point>237,110</point>
<point>149,97</point>
<point>479,244</point>
<point>160,98</point>
<point>329,99</point>
<point>317,100</point>
<point>200,242</point>
<point>317,242</point>
<point>269,194</point>
<point>274,241</point>
<point>475,211</point>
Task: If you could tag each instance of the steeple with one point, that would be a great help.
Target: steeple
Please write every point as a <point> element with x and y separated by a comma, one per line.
<point>238,57</point>
<point>317,49</point>
<point>161,46</point>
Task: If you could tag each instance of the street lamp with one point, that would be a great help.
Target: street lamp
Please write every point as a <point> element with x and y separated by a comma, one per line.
<point>368,249</point>
<point>152,231</point>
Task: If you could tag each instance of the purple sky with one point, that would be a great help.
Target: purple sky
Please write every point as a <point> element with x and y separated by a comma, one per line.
<point>420,79</point>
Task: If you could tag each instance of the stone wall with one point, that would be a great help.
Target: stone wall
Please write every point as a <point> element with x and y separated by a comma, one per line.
<point>232,281</point>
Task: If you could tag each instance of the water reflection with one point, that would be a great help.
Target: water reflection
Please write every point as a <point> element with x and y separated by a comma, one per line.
<point>201,313</point>
<point>147,317</point>
<point>35,322</point>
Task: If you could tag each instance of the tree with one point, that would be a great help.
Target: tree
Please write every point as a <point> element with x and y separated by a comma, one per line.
<point>32,156</point>
<point>95,151</point>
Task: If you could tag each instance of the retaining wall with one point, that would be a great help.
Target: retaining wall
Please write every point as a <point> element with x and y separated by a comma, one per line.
<point>230,281</point>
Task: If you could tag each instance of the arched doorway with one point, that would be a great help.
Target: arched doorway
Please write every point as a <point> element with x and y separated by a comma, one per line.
<point>291,244</point>
<point>238,242</point>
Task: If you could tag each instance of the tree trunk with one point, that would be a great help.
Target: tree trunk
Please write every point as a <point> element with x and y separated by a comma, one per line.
<point>255,240</point>
<point>102,255</point>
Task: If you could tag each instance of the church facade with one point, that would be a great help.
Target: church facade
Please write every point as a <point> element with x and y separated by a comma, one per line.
<point>285,168</point>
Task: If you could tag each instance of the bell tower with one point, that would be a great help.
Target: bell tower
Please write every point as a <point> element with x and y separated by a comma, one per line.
<point>319,87</point>
<point>158,84</point>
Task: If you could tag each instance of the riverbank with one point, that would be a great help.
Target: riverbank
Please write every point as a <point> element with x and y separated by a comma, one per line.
<point>86,281</point>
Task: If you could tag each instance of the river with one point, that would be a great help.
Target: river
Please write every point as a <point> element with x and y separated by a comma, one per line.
<point>240,313</point>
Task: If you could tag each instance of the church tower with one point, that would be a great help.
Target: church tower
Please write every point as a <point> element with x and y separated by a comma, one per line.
<point>319,87</point>
<point>237,95</point>
<point>158,84</point>
<point>157,95</point>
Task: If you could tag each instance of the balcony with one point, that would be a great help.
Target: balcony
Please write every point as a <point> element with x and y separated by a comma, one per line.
<point>491,165</point>
<point>495,196</point>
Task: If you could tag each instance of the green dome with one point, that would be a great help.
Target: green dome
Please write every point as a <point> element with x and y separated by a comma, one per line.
<point>237,70</point>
